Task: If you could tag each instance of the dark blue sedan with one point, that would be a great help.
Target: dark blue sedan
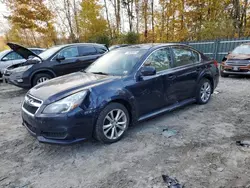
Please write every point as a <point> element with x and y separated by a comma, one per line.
<point>123,87</point>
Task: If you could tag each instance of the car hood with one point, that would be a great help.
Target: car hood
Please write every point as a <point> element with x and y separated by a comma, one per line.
<point>63,86</point>
<point>22,51</point>
<point>238,56</point>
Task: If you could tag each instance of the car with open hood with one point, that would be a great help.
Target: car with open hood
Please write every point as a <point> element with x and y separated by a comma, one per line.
<point>124,86</point>
<point>56,61</point>
<point>237,62</point>
<point>9,58</point>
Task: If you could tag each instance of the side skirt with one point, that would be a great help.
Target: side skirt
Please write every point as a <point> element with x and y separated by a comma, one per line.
<point>167,109</point>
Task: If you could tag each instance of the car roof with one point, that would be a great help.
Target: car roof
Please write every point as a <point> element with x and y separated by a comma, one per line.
<point>148,46</point>
<point>73,44</point>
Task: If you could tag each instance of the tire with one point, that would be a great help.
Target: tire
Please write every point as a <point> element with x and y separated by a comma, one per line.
<point>204,91</point>
<point>39,77</point>
<point>223,74</point>
<point>117,129</point>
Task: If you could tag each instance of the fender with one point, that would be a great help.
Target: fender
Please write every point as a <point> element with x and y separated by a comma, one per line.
<point>206,74</point>
<point>117,94</point>
<point>42,70</point>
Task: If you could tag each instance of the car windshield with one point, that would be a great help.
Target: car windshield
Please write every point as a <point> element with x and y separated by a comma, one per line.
<point>244,49</point>
<point>3,53</point>
<point>48,53</point>
<point>118,62</point>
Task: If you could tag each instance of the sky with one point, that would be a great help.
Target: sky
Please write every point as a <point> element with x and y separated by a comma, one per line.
<point>3,21</point>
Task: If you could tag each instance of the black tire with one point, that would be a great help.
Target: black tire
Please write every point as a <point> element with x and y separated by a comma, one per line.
<point>223,74</point>
<point>39,76</point>
<point>199,98</point>
<point>99,128</point>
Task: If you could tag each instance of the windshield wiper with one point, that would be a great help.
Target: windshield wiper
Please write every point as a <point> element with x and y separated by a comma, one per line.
<point>102,73</point>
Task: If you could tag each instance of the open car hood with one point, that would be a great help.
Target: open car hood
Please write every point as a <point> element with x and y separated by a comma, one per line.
<point>22,51</point>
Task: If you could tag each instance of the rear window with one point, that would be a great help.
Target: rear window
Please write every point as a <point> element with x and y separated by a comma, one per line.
<point>87,50</point>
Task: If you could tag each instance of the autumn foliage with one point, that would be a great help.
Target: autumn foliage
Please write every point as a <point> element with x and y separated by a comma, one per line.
<point>46,23</point>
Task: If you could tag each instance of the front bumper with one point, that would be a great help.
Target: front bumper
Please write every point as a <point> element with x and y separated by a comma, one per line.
<point>240,70</point>
<point>235,72</point>
<point>60,129</point>
<point>17,79</point>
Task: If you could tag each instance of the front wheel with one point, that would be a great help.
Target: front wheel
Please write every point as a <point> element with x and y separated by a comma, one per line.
<point>204,91</point>
<point>112,123</point>
<point>40,78</point>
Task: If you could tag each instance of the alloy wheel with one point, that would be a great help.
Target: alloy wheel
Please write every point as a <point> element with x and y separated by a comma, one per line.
<point>114,124</point>
<point>42,79</point>
<point>205,92</point>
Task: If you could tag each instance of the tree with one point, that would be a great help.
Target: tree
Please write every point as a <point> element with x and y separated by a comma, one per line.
<point>92,23</point>
<point>31,19</point>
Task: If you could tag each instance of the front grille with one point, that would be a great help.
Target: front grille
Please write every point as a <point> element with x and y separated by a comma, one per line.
<point>29,108</point>
<point>239,63</point>
<point>54,135</point>
<point>31,104</point>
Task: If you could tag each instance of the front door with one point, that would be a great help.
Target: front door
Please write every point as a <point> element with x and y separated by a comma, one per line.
<point>68,65</point>
<point>150,91</point>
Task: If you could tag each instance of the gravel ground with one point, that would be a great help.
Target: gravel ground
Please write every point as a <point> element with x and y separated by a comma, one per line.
<point>202,153</point>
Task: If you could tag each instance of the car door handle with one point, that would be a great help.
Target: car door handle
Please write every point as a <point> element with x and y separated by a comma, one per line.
<point>171,77</point>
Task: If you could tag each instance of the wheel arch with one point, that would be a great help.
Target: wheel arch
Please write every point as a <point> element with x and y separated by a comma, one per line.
<point>209,77</point>
<point>42,71</point>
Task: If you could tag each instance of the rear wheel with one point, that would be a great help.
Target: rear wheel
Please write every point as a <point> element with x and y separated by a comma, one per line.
<point>40,78</point>
<point>204,91</point>
<point>112,123</point>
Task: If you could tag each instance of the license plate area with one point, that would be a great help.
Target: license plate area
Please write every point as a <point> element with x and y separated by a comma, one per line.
<point>236,68</point>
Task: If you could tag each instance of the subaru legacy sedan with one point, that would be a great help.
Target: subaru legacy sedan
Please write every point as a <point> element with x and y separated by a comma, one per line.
<point>125,86</point>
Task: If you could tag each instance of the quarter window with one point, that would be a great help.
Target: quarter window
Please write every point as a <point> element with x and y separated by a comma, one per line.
<point>13,56</point>
<point>159,59</point>
<point>184,56</point>
<point>69,52</point>
<point>101,50</point>
<point>87,50</point>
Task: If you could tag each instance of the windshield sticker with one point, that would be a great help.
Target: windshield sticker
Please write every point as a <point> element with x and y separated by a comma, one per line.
<point>132,52</point>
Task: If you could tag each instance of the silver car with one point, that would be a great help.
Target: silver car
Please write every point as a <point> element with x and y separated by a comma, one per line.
<point>9,57</point>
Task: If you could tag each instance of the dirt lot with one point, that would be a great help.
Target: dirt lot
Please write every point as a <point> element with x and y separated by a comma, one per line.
<point>202,153</point>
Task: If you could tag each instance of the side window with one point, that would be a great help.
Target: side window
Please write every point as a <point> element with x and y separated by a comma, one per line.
<point>69,52</point>
<point>12,56</point>
<point>159,59</point>
<point>101,50</point>
<point>183,56</point>
<point>87,50</point>
<point>196,56</point>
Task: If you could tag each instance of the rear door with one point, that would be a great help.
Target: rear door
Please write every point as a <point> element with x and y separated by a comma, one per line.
<point>186,68</point>
<point>88,54</point>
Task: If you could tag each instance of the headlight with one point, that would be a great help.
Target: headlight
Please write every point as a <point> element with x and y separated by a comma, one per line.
<point>22,68</point>
<point>66,104</point>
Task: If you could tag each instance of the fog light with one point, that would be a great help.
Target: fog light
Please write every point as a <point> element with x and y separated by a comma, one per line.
<point>20,80</point>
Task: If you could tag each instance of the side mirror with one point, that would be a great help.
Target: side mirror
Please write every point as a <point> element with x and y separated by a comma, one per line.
<point>5,59</point>
<point>148,71</point>
<point>60,58</point>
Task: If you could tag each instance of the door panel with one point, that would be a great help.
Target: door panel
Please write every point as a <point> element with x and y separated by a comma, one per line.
<point>151,91</point>
<point>148,93</point>
<point>186,70</point>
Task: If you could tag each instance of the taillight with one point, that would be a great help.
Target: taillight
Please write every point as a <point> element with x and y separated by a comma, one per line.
<point>216,63</point>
